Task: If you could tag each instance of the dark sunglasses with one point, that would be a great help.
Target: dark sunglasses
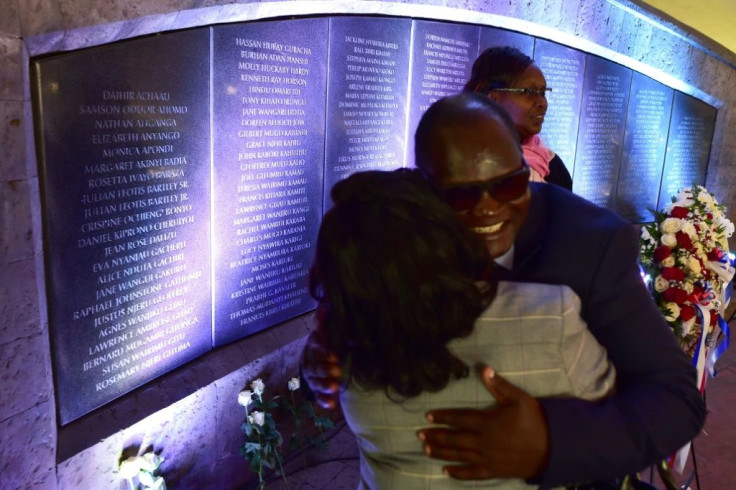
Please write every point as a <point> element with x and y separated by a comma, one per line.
<point>503,189</point>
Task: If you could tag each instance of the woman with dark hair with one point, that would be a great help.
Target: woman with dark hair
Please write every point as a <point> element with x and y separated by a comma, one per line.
<point>510,78</point>
<point>408,306</point>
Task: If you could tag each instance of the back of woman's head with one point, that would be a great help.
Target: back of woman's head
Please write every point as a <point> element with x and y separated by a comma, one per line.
<point>395,269</point>
<point>497,67</point>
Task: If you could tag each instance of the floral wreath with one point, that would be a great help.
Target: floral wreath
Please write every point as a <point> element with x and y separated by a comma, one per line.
<point>685,253</point>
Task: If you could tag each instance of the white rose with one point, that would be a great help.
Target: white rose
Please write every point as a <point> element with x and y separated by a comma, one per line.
<point>258,386</point>
<point>257,418</point>
<point>705,198</point>
<point>670,225</point>
<point>150,461</point>
<point>688,287</point>
<point>130,467</point>
<point>661,284</point>
<point>245,397</point>
<point>146,479</point>
<point>674,312</point>
<point>158,484</point>
<point>694,265</point>
<point>668,262</point>
<point>688,228</point>
<point>669,240</point>
<point>293,384</point>
<point>688,326</point>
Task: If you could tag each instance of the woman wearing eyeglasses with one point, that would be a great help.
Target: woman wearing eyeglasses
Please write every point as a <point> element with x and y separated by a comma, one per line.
<point>405,309</point>
<point>510,78</point>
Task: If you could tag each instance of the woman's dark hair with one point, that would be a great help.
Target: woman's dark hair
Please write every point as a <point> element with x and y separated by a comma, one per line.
<point>394,271</point>
<point>497,67</point>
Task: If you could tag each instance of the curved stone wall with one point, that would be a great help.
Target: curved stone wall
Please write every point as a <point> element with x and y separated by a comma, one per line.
<point>613,29</point>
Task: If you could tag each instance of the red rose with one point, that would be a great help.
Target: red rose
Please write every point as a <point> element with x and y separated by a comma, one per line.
<point>683,240</point>
<point>709,215</point>
<point>661,253</point>
<point>698,289</point>
<point>697,227</point>
<point>673,274</point>
<point>679,212</point>
<point>715,255</point>
<point>675,295</point>
<point>687,312</point>
<point>713,317</point>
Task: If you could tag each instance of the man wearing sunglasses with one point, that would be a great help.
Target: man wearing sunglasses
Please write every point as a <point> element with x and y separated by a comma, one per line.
<point>468,147</point>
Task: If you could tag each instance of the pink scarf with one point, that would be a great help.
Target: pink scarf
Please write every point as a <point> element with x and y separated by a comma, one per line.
<point>537,155</point>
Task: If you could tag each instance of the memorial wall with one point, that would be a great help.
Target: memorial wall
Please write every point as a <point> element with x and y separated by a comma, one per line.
<point>184,175</point>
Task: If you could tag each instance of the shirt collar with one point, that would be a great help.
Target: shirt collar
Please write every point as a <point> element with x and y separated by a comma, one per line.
<point>506,260</point>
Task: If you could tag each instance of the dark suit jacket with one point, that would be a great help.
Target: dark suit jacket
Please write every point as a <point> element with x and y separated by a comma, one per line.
<point>657,408</point>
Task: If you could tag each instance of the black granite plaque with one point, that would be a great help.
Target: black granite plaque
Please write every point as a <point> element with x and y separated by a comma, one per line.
<point>645,141</point>
<point>688,146</point>
<point>443,56</point>
<point>600,137</point>
<point>367,96</point>
<point>125,175</point>
<point>563,68</point>
<point>269,113</point>
<point>492,36</point>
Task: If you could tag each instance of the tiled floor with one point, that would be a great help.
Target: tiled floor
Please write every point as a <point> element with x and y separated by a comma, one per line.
<point>715,447</point>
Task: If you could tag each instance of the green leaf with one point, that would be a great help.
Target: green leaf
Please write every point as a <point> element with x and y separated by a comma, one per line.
<point>252,447</point>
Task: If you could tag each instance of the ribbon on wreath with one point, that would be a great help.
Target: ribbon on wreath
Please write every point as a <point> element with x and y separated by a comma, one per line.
<point>724,268</point>
<point>701,360</point>
<point>719,349</point>
<point>678,460</point>
<point>700,355</point>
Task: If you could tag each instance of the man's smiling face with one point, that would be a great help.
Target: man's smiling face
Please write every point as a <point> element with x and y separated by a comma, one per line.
<point>479,150</point>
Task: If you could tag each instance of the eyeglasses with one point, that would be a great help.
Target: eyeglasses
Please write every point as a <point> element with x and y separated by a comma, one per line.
<point>503,189</point>
<point>529,92</point>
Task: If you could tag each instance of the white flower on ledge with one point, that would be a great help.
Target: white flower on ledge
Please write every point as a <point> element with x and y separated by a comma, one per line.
<point>293,384</point>
<point>130,467</point>
<point>258,386</point>
<point>143,467</point>
<point>245,397</point>
<point>150,462</point>
<point>257,418</point>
